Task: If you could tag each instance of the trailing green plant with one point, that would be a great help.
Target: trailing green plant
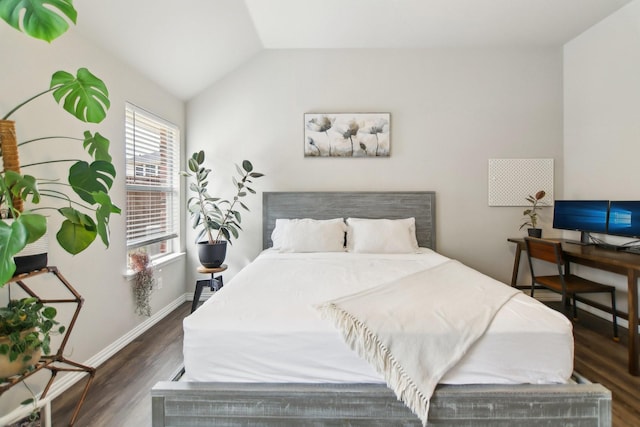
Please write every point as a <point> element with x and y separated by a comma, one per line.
<point>531,213</point>
<point>217,217</point>
<point>87,205</point>
<point>143,282</point>
<point>27,314</point>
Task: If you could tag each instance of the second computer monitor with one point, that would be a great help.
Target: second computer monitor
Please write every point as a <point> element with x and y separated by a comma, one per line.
<point>624,218</point>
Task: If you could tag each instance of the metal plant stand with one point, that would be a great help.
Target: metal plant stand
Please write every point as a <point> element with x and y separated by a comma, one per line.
<point>55,362</point>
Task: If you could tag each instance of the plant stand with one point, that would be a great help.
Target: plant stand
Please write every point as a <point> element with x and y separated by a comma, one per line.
<point>55,362</point>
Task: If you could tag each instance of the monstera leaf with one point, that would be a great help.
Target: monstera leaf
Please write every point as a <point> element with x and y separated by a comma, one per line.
<point>103,214</point>
<point>22,186</point>
<point>85,96</point>
<point>97,146</point>
<point>13,238</point>
<point>42,19</point>
<point>27,228</point>
<point>77,231</point>
<point>91,178</point>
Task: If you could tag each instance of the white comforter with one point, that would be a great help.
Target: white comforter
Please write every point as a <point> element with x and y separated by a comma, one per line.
<point>263,327</point>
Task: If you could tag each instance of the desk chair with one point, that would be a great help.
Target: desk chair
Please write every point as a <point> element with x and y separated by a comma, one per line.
<point>565,283</point>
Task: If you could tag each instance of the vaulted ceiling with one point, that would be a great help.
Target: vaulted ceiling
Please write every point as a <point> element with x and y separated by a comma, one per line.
<point>187,45</point>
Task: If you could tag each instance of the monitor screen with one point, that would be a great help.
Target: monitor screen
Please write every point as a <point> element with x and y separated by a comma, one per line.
<point>581,215</point>
<point>624,218</point>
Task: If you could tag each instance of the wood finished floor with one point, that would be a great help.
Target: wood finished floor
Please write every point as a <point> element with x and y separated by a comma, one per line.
<point>119,396</point>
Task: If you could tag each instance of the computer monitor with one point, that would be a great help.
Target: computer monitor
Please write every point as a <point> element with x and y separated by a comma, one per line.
<point>624,218</point>
<point>586,216</point>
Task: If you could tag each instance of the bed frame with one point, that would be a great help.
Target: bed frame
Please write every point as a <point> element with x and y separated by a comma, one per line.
<point>177,403</point>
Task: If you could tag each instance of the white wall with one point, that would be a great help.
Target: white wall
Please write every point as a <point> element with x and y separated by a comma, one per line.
<point>97,274</point>
<point>601,116</point>
<point>451,110</point>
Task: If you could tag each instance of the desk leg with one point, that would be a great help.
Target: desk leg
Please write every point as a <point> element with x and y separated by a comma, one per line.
<point>634,340</point>
<point>516,267</point>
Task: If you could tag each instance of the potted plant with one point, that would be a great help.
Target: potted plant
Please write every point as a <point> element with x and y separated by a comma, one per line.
<point>25,327</point>
<point>84,201</point>
<point>218,218</point>
<point>532,214</point>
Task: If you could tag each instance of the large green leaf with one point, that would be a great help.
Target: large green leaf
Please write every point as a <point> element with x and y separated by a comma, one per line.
<point>85,96</point>
<point>103,214</point>
<point>35,224</point>
<point>42,19</point>
<point>13,238</point>
<point>97,146</point>
<point>22,186</point>
<point>91,178</point>
<point>77,231</point>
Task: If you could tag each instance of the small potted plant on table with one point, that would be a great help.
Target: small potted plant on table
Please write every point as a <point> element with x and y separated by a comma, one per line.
<point>532,214</point>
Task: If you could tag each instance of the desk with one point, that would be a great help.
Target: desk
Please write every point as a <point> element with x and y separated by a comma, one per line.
<point>623,263</point>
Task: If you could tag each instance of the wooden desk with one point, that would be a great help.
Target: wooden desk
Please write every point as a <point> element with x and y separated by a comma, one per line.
<point>623,263</point>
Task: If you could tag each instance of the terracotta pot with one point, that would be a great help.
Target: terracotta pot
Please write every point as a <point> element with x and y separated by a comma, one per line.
<point>18,366</point>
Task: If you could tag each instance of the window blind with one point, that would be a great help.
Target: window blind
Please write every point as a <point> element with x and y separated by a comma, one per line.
<point>152,148</point>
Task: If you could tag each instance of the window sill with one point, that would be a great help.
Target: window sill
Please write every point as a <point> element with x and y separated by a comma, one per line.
<point>158,263</point>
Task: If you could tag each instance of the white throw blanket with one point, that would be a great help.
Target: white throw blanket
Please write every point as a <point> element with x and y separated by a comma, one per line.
<point>415,329</point>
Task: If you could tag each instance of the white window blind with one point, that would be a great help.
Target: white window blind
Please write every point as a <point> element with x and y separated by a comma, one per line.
<point>152,146</point>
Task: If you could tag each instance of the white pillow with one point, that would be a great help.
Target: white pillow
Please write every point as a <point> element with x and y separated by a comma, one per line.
<point>382,236</point>
<point>278,232</point>
<point>309,235</point>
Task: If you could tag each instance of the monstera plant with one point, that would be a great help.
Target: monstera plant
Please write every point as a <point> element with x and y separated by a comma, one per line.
<point>82,199</point>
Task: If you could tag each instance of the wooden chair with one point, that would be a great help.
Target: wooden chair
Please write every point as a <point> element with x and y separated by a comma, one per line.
<point>565,283</point>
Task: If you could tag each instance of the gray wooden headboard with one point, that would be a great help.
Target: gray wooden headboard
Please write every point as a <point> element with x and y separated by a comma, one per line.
<point>360,204</point>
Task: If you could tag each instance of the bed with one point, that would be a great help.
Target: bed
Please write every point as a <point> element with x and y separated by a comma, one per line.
<point>257,354</point>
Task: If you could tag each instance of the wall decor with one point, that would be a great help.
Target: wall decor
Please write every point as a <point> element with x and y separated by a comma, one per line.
<point>347,134</point>
<point>512,180</point>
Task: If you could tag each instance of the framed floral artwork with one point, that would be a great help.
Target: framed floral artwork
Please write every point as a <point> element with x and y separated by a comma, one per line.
<point>347,134</point>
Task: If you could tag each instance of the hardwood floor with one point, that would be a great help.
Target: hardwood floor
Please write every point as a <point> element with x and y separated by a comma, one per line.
<point>119,396</point>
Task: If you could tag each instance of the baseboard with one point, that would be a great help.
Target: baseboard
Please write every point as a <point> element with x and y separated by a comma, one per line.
<point>64,383</point>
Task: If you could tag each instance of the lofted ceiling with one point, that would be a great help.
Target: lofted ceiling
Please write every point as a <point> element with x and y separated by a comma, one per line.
<point>185,46</point>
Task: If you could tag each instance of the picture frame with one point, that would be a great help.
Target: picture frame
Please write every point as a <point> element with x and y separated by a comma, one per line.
<point>347,135</point>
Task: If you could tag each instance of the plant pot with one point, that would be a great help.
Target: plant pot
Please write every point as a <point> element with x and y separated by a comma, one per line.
<point>535,232</point>
<point>18,366</point>
<point>212,255</point>
<point>33,256</point>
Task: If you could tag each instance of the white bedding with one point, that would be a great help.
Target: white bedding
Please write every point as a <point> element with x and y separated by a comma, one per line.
<point>262,326</point>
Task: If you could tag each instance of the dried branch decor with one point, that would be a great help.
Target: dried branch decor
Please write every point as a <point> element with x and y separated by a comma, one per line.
<point>143,282</point>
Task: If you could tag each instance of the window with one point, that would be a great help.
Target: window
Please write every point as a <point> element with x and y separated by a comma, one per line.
<point>152,146</point>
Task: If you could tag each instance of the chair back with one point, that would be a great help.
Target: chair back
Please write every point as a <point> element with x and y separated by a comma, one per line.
<point>546,250</point>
